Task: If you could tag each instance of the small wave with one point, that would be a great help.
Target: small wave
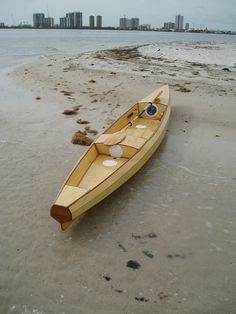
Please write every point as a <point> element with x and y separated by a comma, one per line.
<point>52,49</point>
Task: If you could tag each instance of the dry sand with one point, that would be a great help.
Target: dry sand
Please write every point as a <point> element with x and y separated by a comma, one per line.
<point>176,217</point>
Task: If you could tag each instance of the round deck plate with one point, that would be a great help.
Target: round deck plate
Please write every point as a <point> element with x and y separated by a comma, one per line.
<point>109,163</point>
<point>152,111</point>
<point>115,151</point>
<point>141,126</point>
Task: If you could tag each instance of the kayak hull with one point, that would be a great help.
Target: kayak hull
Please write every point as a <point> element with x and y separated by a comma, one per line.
<point>90,181</point>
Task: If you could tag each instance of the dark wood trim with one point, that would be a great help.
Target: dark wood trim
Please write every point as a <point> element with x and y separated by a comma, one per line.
<point>61,213</point>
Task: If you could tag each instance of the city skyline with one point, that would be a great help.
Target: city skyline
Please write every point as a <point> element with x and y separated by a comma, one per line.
<point>74,20</point>
<point>202,14</point>
<point>69,20</point>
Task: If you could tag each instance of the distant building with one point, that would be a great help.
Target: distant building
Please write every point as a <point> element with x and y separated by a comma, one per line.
<point>169,26</point>
<point>24,25</point>
<point>134,23</point>
<point>99,21</point>
<point>62,22</point>
<point>74,20</point>
<point>2,25</point>
<point>179,22</point>
<point>38,20</point>
<point>145,27</point>
<point>187,26</point>
<point>92,21</point>
<point>49,22</point>
<point>69,20</point>
<point>124,23</point>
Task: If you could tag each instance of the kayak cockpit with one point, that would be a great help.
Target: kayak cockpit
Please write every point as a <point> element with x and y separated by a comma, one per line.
<point>101,161</point>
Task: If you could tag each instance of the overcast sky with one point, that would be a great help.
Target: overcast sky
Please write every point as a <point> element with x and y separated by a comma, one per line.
<point>214,14</point>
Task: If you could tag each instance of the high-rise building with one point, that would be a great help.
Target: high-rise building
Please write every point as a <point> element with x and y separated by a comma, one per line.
<point>129,24</point>
<point>38,20</point>
<point>2,25</point>
<point>49,22</point>
<point>179,22</point>
<point>187,26</point>
<point>74,20</point>
<point>169,26</point>
<point>92,21</point>
<point>99,21</point>
<point>78,19</point>
<point>124,23</point>
<point>62,22</point>
<point>69,20</point>
<point>145,27</point>
<point>134,23</point>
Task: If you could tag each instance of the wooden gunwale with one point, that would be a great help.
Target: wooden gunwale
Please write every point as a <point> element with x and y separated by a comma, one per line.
<point>109,127</point>
<point>124,163</point>
<point>110,187</point>
<point>131,166</point>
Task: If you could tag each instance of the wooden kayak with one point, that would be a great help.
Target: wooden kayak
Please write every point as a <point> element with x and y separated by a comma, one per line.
<point>114,157</point>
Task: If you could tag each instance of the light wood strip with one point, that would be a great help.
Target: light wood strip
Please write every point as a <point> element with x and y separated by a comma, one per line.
<point>82,167</point>
<point>69,194</point>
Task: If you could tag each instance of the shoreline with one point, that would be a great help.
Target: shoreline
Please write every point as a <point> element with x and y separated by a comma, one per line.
<point>79,80</point>
<point>112,28</point>
<point>184,195</point>
<point>70,79</point>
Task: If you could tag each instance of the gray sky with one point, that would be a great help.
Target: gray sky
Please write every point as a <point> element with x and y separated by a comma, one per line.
<point>214,14</point>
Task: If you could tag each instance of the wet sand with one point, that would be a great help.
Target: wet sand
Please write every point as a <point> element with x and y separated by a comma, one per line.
<point>175,218</point>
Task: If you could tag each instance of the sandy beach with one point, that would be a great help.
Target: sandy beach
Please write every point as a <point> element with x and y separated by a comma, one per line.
<point>176,217</point>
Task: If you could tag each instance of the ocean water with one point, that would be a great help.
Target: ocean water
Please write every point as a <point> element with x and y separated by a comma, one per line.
<point>22,45</point>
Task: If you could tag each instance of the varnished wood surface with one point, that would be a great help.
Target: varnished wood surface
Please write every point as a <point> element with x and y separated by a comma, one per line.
<point>127,151</point>
<point>91,181</point>
<point>145,133</point>
<point>97,172</point>
<point>81,168</point>
<point>122,175</point>
<point>129,140</point>
<point>69,194</point>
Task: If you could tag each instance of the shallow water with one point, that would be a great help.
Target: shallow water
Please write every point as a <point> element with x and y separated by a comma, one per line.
<point>17,46</point>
